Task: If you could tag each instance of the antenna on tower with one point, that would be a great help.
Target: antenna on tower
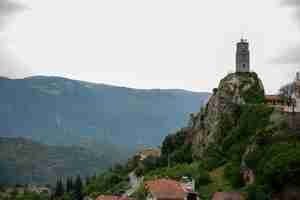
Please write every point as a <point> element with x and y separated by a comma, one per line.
<point>243,37</point>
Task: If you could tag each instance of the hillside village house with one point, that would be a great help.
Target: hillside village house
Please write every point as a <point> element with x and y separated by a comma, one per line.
<point>293,104</point>
<point>274,100</point>
<point>296,93</point>
<point>167,189</point>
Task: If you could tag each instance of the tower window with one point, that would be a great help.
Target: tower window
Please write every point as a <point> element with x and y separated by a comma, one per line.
<point>244,65</point>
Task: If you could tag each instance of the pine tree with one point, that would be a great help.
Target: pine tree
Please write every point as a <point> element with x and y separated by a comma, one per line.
<point>69,185</point>
<point>94,178</point>
<point>59,189</point>
<point>87,180</point>
<point>78,189</point>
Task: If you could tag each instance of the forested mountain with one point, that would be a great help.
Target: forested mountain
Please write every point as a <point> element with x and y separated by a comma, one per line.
<point>61,111</point>
<point>96,124</point>
<point>26,162</point>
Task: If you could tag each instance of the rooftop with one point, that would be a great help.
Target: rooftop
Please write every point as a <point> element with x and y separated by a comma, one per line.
<point>166,189</point>
<point>273,98</point>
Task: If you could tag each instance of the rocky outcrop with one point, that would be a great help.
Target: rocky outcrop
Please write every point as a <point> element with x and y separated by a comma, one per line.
<point>221,112</point>
<point>250,140</point>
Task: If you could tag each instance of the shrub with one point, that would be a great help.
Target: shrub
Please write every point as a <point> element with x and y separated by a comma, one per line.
<point>141,193</point>
<point>280,165</point>
<point>202,178</point>
<point>253,118</point>
<point>195,171</point>
<point>232,173</point>
<point>214,157</point>
<point>173,142</point>
<point>257,193</point>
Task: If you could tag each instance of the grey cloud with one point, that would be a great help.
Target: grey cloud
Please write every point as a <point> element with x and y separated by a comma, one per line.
<point>8,7</point>
<point>8,64</point>
<point>290,2</point>
<point>293,4</point>
<point>291,55</point>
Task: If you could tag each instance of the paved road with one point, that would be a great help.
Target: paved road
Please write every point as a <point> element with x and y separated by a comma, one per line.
<point>134,182</point>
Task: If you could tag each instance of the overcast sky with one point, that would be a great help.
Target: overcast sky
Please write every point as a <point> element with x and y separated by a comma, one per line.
<point>188,44</point>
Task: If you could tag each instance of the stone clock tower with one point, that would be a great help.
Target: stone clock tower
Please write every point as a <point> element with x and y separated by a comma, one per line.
<point>242,56</point>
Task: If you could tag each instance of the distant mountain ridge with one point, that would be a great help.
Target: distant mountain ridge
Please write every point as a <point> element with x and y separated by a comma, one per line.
<point>62,111</point>
<point>96,124</point>
<point>26,162</point>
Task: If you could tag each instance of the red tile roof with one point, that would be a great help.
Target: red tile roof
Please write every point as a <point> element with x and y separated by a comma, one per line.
<point>165,189</point>
<point>273,98</point>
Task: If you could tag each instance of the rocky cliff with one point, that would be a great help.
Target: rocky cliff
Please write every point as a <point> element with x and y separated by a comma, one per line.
<point>241,140</point>
<point>222,110</point>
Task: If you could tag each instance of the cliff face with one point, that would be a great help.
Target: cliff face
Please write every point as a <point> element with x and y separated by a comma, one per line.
<point>241,141</point>
<point>222,110</point>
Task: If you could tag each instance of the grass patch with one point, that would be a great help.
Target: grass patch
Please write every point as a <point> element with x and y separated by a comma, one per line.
<point>218,183</point>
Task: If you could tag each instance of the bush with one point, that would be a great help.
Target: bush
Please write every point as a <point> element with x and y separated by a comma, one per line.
<point>141,193</point>
<point>280,165</point>
<point>174,150</point>
<point>173,142</point>
<point>194,171</point>
<point>110,182</point>
<point>148,164</point>
<point>257,193</point>
<point>214,158</point>
<point>232,173</point>
<point>253,119</point>
<point>202,178</point>
<point>182,155</point>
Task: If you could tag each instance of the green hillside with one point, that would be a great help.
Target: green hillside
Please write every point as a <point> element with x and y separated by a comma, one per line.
<point>26,162</point>
<point>61,111</point>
